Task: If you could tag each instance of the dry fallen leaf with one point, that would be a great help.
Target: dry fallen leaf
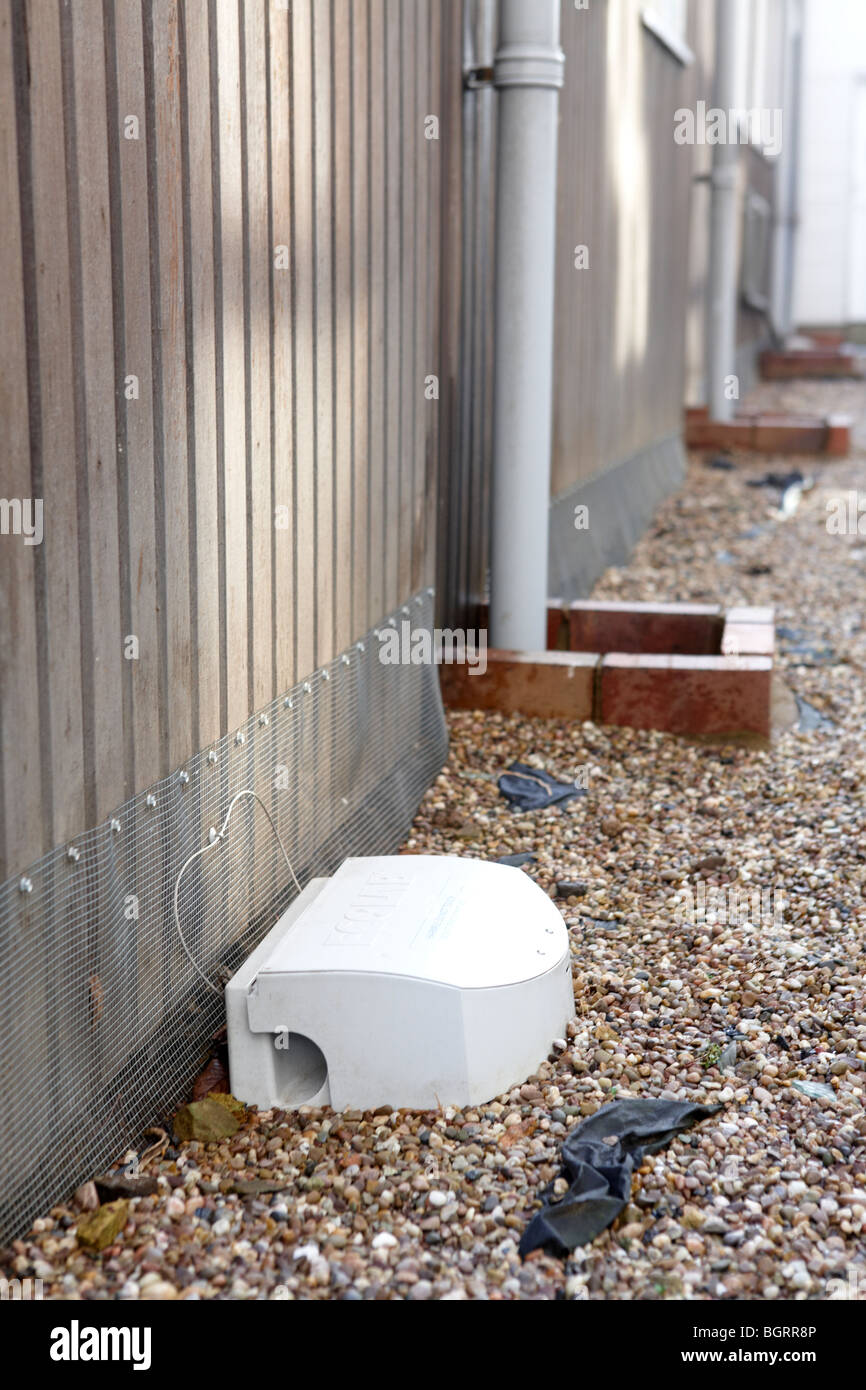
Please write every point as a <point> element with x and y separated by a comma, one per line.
<point>213,1078</point>
<point>516,1132</point>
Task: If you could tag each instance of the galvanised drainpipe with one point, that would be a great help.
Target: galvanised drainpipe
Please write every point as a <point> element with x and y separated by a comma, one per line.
<point>785,224</point>
<point>722,307</point>
<point>527,73</point>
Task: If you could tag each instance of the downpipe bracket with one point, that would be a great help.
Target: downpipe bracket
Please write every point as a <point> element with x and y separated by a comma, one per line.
<point>477,79</point>
<point>528,65</point>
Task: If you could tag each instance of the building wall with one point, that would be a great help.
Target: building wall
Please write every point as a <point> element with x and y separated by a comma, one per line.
<point>464,476</point>
<point>830,274</point>
<point>759,84</point>
<point>702,43</point>
<point>624,195</point>
<point>216,340</point>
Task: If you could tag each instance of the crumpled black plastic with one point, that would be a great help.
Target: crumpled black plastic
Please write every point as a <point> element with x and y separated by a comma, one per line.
<point>600,1173</point>
<point>528,789</point>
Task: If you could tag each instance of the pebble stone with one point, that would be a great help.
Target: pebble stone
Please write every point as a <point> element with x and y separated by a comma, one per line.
<point>765,1201</point>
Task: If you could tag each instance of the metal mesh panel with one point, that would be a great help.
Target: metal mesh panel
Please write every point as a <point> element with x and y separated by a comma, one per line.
<point>103,1020</point>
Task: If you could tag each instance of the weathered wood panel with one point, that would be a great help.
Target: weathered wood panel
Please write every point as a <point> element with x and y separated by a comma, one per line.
<point>60,677</point>
<point>624,195</point>
<point>164,154</point>
<point>20,784</point>
<point>361,608</point>
<point>282,380</point>
<point>134,391</point>
<point>323,328</point>
<point>231,378</point>
<point>93,351</point>
<point>257,256</point>
<point>459,545</point>
<point>201,364</point>
<point>343,301</point>
<point>377,292</point>
<point>228,269</point>
<point>304,332</point>
<point>391,91</point>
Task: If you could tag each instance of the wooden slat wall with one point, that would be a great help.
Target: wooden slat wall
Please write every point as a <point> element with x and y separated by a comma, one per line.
<point>21,747</point>
<point>701,37</point>
<point>755,173</point>
<point>236,459</point>
<point>455,192</point>
<point>624,192</point>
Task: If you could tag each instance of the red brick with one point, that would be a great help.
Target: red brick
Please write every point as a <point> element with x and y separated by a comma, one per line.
<point>808,362</point>
<point>546,684</point>
<point>826,337</point>
<point>645,627</point>
<point>703,433</point>
<point>775,434</point>
<point>790,434</point>
<point>557,625</point>
<point>687,695</point>
<point>838,441</point>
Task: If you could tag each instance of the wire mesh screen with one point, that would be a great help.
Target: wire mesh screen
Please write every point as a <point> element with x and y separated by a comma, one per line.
<point>104,1021</point>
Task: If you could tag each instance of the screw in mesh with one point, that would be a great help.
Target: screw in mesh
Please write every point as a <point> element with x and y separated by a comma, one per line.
<point>430,593</point>
<point>73,853</point>
<point>239,738</point>
<point>418,600</point>
<point>307,687</point>
<point>288,704</point>
<point>213,835</point>
<point>115,825</point>
<point>25,885</point>
<point>360,645</point>
<point>392,622</point>
<point>212,757</point>
<point>263,719</point>
<point>345,660</point>
<point>183,776</point>
<point>150,800</point>
<point>405,612</point>
<point>326,676</point>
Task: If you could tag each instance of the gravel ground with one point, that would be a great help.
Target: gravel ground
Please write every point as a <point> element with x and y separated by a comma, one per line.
<point>768,1199</point>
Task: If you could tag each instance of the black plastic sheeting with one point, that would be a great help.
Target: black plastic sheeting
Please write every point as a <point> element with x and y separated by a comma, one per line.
<point>528,789</point>
<point>600,1172</point>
